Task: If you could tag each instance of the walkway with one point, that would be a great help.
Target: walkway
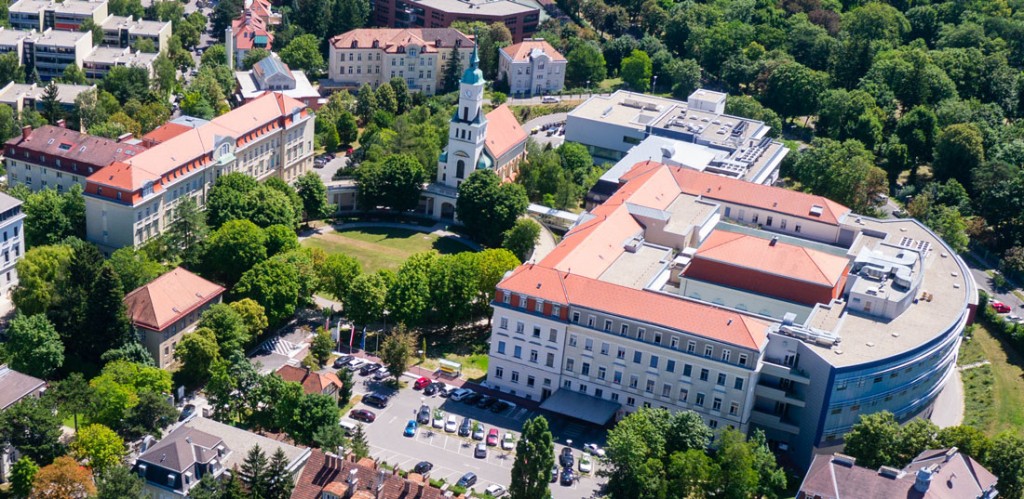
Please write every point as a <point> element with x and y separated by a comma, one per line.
<point>545,244</point>
<point>948,409</point>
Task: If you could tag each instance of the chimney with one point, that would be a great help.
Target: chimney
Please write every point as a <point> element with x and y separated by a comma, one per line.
<point>124,137</point>
<point>950,453</point>
<point>229,46</point>
<point>924,479</point>
<point>774,240</point>
<point>61,123</point>
<point>26,131</point>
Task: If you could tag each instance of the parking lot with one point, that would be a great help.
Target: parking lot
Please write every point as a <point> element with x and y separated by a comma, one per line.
<point>452,455</point>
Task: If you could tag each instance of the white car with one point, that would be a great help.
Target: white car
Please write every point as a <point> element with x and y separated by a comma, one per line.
<point>438,420</point>
<point>355,364</point>
<point>585,465</point>
<point>508,442</point>
<point>549,99</point>
<point>450,426</point>
<point>460,394</point>
<point>495,490</point>
<point>594,449</point>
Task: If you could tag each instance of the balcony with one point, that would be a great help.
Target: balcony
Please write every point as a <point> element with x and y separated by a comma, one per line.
<point>773,421</point>
<point>778,394</point>
<point>775,368</point>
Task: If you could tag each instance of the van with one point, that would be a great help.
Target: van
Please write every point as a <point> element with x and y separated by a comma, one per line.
<point>348,427</point>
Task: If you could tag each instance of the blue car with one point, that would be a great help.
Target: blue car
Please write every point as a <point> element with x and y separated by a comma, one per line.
<point>410,428</point>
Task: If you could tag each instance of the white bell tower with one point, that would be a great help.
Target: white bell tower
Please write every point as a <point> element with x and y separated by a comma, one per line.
<point>468,129</point>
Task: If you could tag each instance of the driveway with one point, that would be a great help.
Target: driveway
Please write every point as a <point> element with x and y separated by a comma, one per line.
<point>541,137</point>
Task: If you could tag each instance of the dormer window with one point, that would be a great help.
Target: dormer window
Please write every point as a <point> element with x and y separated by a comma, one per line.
<point>355,44</point>
<point>376,44</point>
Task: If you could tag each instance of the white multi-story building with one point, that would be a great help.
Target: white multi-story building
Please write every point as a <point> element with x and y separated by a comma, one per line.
<point>12,241</point>
<point>68,15</point>
<point>376,55</point>
<point>532,67</point>
<point>132,200</point>
<point>754,306</point>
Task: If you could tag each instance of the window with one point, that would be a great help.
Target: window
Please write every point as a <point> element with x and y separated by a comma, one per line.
<point>620,354</point>
<point>604,348</point>
<point>572,340</point>
<point>691,346</point>
<point>499,372</point>
<point>575,317</point>
<point>599,393</point>
<point>768,221</point>
<point>624,330</point>
<point>501,347</point>
<point>617,377</point>
<point>753,219</point>
<point>683,395</point>
<point>640,334</point>
<point>530,380</point>
<point>666,390</point>
<point>536,331</point>
<point>583,388</point>
<point>550,360</point>
<point>670,366</point>
<point>553,335</point>
<point>556,310</point>
<point>503,324</point>
<point>570,364</point>
<point>674,343</point>
<point>515,376</point>
<point>649,388</point>
<point>590,321</point>
<point>734,409</point>
<point>615,397</point>
<point>709,351</point>
<point>654,362</point>
<point>712,423</point>
<point>630,401</point>
<point>585,369</point>
<point>743,359</point>
<point>638,357</point>
<point>588,344</point>
<point>703,374</point>
<point>721,379</point>
<point>520,327</point>
<point>633,381</point>
<point>687,370</point>
<point>726,354</point>
<point>567,384</point>
<point>518,352</point>
<point>782,224</point>
<point>657,338</point>
<point>700,400</point>
<point>797,229</point>
<point>601,372</point>
<point>607,325</point>
<point>539,307</point>
<point>533,357</point>
<point>738,384</point>
<point>716,404</point>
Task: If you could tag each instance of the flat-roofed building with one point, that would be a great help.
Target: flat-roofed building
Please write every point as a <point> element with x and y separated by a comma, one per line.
<point>102,59</point>
<point>374,56</point>
<point>689,290</point>
<point>532,67</point>
<point>521,19</point>
<point>132,200</point>
<point>45,14</point>
<point>13,40</point>
<point>22,96</point>
<point>120,31</point>
<point>165,309</point>
<point>51,51</point>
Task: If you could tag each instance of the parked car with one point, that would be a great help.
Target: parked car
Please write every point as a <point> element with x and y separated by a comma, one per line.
<point>549,99</point>
<point>348,427</point>
<point>381,374</point>
<point>369,368</point>
<point>585,465</point>
<point>438,420</point>
<point>478,433</point>
<point>421,383</point>
<point>187,412</point>
<point>468,480</point>
<point>460,394</point>
<point>362,415</point>
<point>501,406</point>
<point>432,388</point>
<point>486,402</point>
<point>423,467</point>
<point>492,437</point>
<point>472,398</point>
<point>568,477</point>
<point>355,364</point>
<point>594,449</point>
<point>450,425</point>
<point>376,400</point>
<point>466,427</point>
<point>508,442</point>
<point>341,361</point>
<point>495,490</point>
<point>554,473</point>
<point>445,390</point>
<point>481,451</point>
<point>423,416</point>
<point>565,458</point>
<point>410,428</point>
<point>1001,307</point>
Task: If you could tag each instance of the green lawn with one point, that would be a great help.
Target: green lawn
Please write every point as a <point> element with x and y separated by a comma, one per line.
<point>382,248</point>
<point>994,395</point>
<point>466,346</point>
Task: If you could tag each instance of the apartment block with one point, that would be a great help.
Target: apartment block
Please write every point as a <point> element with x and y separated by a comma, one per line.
<point>68,15</point>
<point>12,241</point>
<point>754,306</point>
<point>132,200</point>
<point>521,19</point>
<point>532,67</point>
<point>51,51</point>
<point>120,31</point>
<point>22,96</point>
<point>375,55</point>
<point>101,60</point>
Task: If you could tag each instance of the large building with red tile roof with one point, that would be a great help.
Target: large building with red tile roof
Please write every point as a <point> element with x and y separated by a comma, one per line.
<point>327,476</point>
<point>373,56</point>
<point>167,307</point>
<point>531,67</point>
<point>754,306</point>
<point>521,18</point>
<point>132,199</point>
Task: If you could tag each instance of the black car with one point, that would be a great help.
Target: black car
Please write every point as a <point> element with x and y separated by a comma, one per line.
<point>341,361</point>
<point>431,389</point>
<point>376,400</point>
<point>466,427</point>
<point>500,406</point>
<point>369,368</point>
<point>468,480</point>
<point>423,467</point>
<point>486,402</point>
<point>568,477</point>
<point>473,398</point>
<point>187,412</point>
<point>423,417</point>
<point>566,459</point>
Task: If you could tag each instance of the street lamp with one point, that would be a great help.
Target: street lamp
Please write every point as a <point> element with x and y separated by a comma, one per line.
<point>655,84</point>
<point>588,89</point>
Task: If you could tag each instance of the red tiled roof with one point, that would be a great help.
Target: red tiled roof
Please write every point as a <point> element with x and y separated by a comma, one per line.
<point>521,51</point>
<point>311,381</point>
<point>168,298</point>
<point>323,472</point>
<point>503,131</point>
<point>390,39</point>
<point>247,28</point>
<point>787,260</point>
<point>72,147</point>
<point>165,132</point>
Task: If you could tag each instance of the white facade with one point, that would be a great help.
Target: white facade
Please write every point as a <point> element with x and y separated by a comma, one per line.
<point>466,135</point>
<point>12,241</point>
<point>532,67</point>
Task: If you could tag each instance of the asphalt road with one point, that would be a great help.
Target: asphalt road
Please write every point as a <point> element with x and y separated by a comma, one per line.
<point>451,455</point>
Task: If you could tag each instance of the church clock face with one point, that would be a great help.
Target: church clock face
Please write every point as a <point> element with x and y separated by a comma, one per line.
<point>468,93</point>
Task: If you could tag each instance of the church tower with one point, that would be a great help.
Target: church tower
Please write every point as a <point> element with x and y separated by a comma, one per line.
<point>467,131</point>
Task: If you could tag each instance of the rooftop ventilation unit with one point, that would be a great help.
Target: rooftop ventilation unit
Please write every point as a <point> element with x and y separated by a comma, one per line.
<point>817,210</point>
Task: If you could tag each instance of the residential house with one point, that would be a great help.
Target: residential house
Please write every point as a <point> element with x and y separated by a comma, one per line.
<point>311,381</point>
<point>328,476</point>
<point>273,75</point>
<point>167,307</point>
<point>247,32</point>
<point>14,386</point>
<point>532,67</point>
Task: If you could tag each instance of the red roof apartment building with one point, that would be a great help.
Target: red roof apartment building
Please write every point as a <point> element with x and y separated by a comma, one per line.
<point>757,307</point>
<point>521,19</point>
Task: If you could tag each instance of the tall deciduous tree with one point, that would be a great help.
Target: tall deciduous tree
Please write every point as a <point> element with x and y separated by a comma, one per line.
<point>408,298</point>
<point>397,349</point>
<point>100,447</point>
<point>39,274</point>
<point>842,171</point>
<point>188,228</point>
<point>32,427</point>
<point>106,320</point>
<point>314,197</point>
<point>233,249</point>
<point>395,183</point>
<point>586,64</point>
<point>636,71</point>
<point>198,352</point>
<point>321,346</point>
<point>63,479</point>
<point>1006,460</point>
<point>959,151</point>
<point>521,238</point>
<point>134,267</point>
<point>33,345</point>
<point>531,470</point>
<point>366,297</point>
<point>337,274</point>
<point>230,330</point>
<point>488,207</point>
<point>274,284</point>
<point>366,103</point>
<point>304,53</point>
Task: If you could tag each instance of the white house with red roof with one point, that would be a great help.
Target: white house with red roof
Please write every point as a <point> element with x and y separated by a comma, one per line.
<point>532,67</point>
<point>754,306</point>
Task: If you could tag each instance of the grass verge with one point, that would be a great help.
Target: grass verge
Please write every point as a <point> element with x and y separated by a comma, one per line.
<point>994,394</point>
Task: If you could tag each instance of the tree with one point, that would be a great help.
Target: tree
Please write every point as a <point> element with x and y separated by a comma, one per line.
<point>968,439</point>
<point>197,351</point>
<point>230,331</point>
<point>22,473</point>
<point>737,476</point>
<point>304,53</point>
<point>402,98</point>
<point>99,446</point>
<point>395,183</point>
<point>842,171</point>
<point>50,216</point>
<point>397,349</point>
<point>347,127</point>
<point>531,470</point>
<point>959,151</point>
<point>255,55</point>
<point>685,77</point>
<point>119,482</point>
<point>73,75</point>
<point>11,68</point>
<point>691,474</point>
<point>585,64</point>
<point>311,413</point>
<point>279,479</point>
<point>132,351</point>
<point>215,55</point>
<point>32,427</point>
<point>793,89</point>
<point>850,115</point>
<point>917,129</point>
<point>636,71</point>
<point>452,72</point>
<point>453,287</point>
<point>188,228</point>
<point>72,394</point>
<point>345,393</point>
<point>275,285</point>
<point>1006,461</point>
<point>253,316</point>
<point>62,480</point>
<point>330,437</point>
<point>105,317</point>
<point>360,445</point>
<point>149,416</point>
<point>366,297</point>
<point>521,238</point>
<point>408,298</point>
<point>386,100</point>
<point>488,207</point>
<point>280,239</point>
<point>52,110</point>
<point>366,103</point>
<point>321,346</point>
<point>8,124</point>
<point>127,82</point>
<point>314,197</point>
<point>233,249</point>
<point>33,345</point>
<point>874,440</point>
<point>134,267</point>
<point>254,471</point>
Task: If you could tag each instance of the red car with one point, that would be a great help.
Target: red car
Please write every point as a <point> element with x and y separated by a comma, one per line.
<point>421,383</point>
<point>1001,307</point>
<point>362,415</point>
<point>492,437</point>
